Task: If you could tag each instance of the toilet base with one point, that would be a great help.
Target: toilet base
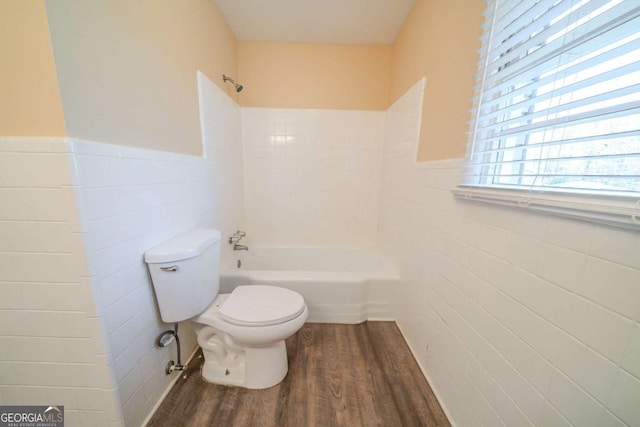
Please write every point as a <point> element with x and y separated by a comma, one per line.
<point>227,363</point>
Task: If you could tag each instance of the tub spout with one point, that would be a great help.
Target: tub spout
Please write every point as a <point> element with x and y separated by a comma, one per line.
<point>238,247</point>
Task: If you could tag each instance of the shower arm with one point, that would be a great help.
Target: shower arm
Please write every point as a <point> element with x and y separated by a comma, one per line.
<point>238,86</point>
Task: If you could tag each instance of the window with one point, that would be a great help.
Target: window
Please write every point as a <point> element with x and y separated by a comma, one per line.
<point>556,121</point>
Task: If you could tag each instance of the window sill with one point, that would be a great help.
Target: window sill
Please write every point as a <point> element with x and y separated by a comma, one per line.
<point>615,211</point>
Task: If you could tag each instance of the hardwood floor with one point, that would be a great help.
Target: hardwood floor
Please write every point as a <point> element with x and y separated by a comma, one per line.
<point>339,375</point>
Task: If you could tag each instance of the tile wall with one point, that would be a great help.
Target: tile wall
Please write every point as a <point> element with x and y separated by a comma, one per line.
<point>311,176</point>
<point>516,318</point>
<point>52,348</point>
<point>132,200</point>
<point>83,323</point>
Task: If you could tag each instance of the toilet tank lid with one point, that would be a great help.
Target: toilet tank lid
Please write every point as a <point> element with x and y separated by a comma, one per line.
<point>182,247</point>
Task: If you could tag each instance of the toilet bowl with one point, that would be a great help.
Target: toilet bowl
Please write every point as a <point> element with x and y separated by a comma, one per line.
<point>243,341</point>
<point>242,333</point>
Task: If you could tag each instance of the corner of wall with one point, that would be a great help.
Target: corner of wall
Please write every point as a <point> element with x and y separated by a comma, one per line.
<point>447,98</point>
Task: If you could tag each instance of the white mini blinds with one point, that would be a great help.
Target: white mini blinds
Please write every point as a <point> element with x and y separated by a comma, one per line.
<point>557,108</point>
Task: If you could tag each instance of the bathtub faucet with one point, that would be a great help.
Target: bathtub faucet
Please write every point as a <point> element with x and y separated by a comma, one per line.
<point>237,236</point>
<point>237,247</point>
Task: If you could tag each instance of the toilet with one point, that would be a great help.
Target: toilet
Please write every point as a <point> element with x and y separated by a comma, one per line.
<point>242,333</point>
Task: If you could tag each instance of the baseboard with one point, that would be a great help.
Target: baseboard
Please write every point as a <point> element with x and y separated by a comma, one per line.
<point>426,376</point>
<point>167,390</point>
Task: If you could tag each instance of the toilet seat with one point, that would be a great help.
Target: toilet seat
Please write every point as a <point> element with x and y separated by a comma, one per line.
<point>260,305</point>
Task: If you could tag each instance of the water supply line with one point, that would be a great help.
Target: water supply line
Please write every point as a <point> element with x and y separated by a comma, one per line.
<point>166,338</point>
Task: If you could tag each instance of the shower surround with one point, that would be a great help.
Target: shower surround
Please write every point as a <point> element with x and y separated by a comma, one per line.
<point>311,176</point>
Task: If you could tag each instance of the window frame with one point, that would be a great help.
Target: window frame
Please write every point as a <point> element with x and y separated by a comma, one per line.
<point>618,209</point>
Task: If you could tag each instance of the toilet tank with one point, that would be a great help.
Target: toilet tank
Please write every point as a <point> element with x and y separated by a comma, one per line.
<point>185,272</point>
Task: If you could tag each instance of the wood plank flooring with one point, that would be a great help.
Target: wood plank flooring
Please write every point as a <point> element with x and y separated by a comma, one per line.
<point>339,375</point>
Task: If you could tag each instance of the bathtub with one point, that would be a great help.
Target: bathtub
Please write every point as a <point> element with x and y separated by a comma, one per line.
<point>338,285</point>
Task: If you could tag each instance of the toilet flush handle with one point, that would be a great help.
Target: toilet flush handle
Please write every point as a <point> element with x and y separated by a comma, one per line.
<point>172,268</point>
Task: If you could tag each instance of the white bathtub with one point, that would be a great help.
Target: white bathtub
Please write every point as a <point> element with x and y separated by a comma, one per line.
<point>338,285</point>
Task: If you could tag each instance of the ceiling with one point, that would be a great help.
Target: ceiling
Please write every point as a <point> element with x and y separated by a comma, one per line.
<point>316,21</point>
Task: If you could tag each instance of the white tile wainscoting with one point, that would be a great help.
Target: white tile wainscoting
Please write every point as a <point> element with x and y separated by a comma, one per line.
<point>516,318</point>
<point>131,200</point>
<point>52,346</point>
<point>135,199</point>
<point>79,318</point>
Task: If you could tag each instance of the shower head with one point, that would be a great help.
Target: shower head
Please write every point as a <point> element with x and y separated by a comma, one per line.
<point>238,86</point>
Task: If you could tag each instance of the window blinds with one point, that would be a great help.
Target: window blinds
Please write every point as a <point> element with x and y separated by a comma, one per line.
<point>557,104</point>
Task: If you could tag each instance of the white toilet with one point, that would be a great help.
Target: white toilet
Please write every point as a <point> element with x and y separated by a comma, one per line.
<point>242,333</point>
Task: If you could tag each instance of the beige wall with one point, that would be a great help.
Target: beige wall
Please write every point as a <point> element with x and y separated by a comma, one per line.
<point>127,69</point>
<point>439,40</point>
<point>29,98</point>
<point>303,75</point>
